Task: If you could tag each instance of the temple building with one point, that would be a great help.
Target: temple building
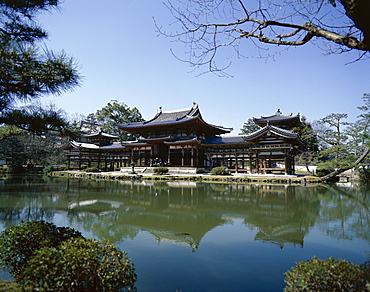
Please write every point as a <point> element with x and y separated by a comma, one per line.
<point>182,138</point>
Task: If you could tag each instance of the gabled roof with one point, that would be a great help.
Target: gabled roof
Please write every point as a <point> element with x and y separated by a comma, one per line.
<point>100,134</point>
<point>224,140</point>
<point>269,129</point>
<point>91,146</point>
<point>278,119</point>
<point>173,118</point>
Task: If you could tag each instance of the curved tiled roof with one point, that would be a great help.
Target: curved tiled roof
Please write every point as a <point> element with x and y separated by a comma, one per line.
<point>177,117</point>
<point>278,118</point>
<point>224,140</point>
<point>91,146</point>
<point>99,134</point>
<point>288,134</point>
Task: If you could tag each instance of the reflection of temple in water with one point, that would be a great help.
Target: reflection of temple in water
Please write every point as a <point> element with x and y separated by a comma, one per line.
<point>184,213</point>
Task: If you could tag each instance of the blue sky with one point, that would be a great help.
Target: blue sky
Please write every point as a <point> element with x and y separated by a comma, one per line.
<point>122,57</point>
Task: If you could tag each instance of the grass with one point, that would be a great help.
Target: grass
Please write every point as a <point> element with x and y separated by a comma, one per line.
<point>9,286</point>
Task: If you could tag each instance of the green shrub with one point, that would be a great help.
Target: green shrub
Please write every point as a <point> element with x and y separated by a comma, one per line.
<point>322,171</point>
<point>80,265</point>
<point>92,169</point>
<point>328,275</point>
<point>10,286</point>
<point>48,168</point>
<point>220,170</point>
<point>19,243</point>
<point>160,170</point>
<point>364,174</point>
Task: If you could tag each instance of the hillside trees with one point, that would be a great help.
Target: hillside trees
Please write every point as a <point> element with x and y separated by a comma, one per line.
<point>206,27</point>
<point>28,71</point>
<point>344,145</point>
<point>249,127</point>
<point>112,114</point>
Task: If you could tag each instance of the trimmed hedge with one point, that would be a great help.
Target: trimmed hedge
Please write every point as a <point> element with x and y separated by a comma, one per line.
<point>160,170</point>
<point>220,170</point>
<point>80,265</point>
<point>19,243</point>
<point>328,275</point>
<point>43,257</point>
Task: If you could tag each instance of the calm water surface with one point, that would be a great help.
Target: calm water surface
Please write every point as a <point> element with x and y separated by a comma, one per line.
<point>199,236</point>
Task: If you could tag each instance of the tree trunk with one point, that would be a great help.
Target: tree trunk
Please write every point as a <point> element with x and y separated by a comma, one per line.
<point>343,169</point>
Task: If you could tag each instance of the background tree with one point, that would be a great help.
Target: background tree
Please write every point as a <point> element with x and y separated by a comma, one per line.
<point>90,124</point>
<point>249,127</point>
<point>344,145</point>
<point>117,113</point>
<point>207,26</point>
<point>335,152</point>
<point>309,137</point>
<point>31,150</point>
<point>27,72</point>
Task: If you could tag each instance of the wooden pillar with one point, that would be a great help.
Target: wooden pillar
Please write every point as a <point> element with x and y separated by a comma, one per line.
<point>169,156</point>
<point>182,155</point>
<point>79,161</point>
<point>139,157</point>
<point>192,157</point>
<point>286,165</point>
<point>236,163</point>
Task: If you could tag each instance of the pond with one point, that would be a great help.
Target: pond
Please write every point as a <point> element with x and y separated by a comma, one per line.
<point>192,236</point>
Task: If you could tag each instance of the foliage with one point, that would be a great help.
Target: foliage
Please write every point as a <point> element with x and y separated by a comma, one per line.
<point>324,169</point>
<point>207,27</point>
<point>10,286</point>
<point>160,170</point>
<point>220,170</point>
<point>364,174</point>
<point>28,149</point>
<point>115,113</point>
<point>91,124</point>
<point>26,72</point>
<point>328,275</point>
<point>343,145</point>
<point>18,244</point>
<point>335,152</point>
<point>92,169</point>
<point>249,127</point>
<point>80,265</point>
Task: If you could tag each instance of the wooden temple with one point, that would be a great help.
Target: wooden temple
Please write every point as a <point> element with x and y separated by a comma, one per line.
<point>182,138</point>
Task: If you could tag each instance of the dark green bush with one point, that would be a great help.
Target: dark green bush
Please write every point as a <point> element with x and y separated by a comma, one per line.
<point>80,265</point>
<point>160,170</point>
<point>364,174</point>
<point>220,170</point>
<point>322,171</point>
<point>328,275</point>
<point>92,169</point>
<point>19,243</point>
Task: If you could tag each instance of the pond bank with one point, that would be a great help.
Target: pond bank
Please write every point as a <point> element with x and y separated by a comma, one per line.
<point>237,178</point>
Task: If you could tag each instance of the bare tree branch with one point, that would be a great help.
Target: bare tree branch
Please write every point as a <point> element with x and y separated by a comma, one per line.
<point>206,26</point>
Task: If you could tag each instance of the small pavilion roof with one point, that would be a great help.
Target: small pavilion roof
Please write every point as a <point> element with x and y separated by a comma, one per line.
<point>224,140</point>
<point>99,134</point>
<point>287,134</point>
<point>91,146</point>
<point>177,117</point>
<point>278,119</point>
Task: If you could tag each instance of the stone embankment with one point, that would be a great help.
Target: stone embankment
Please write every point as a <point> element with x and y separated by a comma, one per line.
<point>234,178</point>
